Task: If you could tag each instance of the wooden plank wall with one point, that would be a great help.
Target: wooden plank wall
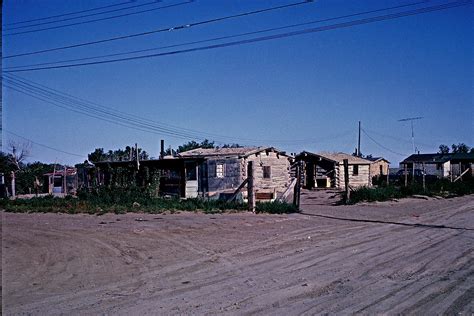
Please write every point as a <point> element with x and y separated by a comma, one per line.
<point>280,172</point>
<point>362,179</point>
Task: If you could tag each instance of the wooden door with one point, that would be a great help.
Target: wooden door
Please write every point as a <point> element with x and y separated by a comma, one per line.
<point>191,170</point>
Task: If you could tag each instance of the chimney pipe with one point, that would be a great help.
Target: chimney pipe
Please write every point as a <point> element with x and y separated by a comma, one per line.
<point>162,152</point>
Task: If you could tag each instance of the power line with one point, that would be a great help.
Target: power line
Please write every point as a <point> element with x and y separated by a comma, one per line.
<point>266,38</point>
<point>70,13</point>
<point>382,146</point>
<point>79,105</point>
<point>123,119</point>
<point>220,38</point>
<point>95,20</point>
<point>166,29</point>
<point>43,145</point>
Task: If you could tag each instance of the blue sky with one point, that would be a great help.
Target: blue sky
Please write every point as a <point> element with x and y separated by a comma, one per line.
<point>305,92</point>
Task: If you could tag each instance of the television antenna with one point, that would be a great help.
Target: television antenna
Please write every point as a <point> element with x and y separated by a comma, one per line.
<point>411,119</point>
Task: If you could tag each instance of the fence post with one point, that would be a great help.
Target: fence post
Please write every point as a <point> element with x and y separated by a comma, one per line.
<point>13,185</point>
<point>297,190</point>
<point>250,187</point>
<point>406,175</point>
<point>424,180</point>
<point>346,179</point>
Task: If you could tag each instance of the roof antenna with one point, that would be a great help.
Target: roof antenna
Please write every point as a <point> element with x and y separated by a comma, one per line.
<point>411,119</point>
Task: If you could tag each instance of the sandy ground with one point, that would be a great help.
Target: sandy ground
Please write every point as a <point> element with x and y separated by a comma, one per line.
<point>410,257</point>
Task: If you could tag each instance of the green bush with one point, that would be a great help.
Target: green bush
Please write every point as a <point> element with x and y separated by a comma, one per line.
<point>442,187</point>
<point>275,208</point>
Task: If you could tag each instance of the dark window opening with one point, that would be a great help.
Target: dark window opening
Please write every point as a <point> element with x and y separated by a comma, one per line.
<point>267,172</point>
<point>355,170</point>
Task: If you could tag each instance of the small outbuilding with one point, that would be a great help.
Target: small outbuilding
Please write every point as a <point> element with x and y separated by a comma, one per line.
<point>326,170</point>
<point>379,167</point>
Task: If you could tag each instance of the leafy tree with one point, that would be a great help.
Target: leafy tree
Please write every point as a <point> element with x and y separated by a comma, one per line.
<point>231,146</point>
<point>117,155</point>
<point>460,148</point>
<point>193,145</point>
<point>443,149</point>
<point>97,155</point>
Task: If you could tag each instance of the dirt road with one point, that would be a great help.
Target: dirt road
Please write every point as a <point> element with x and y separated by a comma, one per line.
<point>410,257</point>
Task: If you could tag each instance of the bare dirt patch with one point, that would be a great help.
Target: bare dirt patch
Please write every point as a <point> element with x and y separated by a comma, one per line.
<point>413,256</point>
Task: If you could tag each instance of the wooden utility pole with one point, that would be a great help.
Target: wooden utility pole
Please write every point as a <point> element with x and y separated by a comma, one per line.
<point>346,180</point>
<point>358,143</point>
<point>406,174</point>
<point>13,185</point>
<point>250,187</point>
<point>297,190</point>
<point>424,180</point>
<point>65,181</point>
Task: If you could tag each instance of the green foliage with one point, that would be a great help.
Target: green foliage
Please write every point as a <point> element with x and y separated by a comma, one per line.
<point>441,187</point>
<point>117,155</point>
<point>193,145</point>
<point>443,149</point>
<point>460,148</point>
<point>275,208</point>
<point>120,200</point>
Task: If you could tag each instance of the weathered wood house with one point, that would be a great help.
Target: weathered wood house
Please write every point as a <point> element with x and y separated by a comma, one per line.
<point>220,171</point>
<point>326,170</point>
<point>210,173</point>
<point>441,165</point>
<point>379,166</point>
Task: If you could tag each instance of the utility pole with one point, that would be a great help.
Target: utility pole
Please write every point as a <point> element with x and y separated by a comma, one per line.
<point>358,143</point>
<point>411,119</point>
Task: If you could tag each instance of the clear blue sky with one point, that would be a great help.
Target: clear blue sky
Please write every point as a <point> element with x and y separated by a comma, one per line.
<point>311,88</point>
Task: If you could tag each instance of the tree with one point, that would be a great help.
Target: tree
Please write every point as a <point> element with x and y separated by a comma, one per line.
<point>460,148</point>
<point>193,145</point>
<point>117,155</point>
<point>231,146</point>
<point>97,155</point>
<point>19,152</point>
<point>443,149</point>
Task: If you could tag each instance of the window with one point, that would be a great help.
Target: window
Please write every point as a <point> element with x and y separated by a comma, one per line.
<point>267,172</point>
<point>219,170</point>
<point>191,174</point>
<point>355,170</point>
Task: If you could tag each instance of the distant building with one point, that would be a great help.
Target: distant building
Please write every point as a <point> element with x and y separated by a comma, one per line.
<point>61,182</point>
<point>326,170</point>
<point>379,166</point>
<point>441,165</point>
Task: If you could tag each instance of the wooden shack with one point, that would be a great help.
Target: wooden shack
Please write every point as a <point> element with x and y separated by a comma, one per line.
<point>223,170</point>
<point>379,166</point>
<point>326,170</point>
<point>208,173</point>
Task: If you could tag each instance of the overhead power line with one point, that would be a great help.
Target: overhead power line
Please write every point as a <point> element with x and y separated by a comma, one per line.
<point>382,146</point>
<point>81,106</point>
<point>70,13</point>
<point>95,20</point>
<point>43,145</point>
<point>220,38</point>
<point>166,29</point>
<point>267,38</point>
